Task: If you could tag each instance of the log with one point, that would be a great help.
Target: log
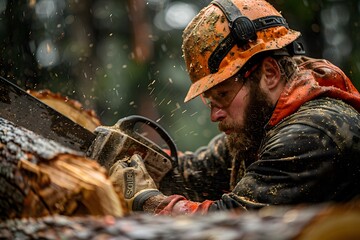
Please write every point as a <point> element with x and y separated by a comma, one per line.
<point>325,221</point>
<point>39,177</point>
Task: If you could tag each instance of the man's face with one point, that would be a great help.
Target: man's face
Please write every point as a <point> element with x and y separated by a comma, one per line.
<point>244,118</point>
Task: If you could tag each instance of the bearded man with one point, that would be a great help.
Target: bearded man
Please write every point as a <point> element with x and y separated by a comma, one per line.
<point>290,123</point>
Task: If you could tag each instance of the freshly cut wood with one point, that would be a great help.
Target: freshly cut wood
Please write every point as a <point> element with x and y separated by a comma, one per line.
<point>39,177</point>
<point>69,107</point>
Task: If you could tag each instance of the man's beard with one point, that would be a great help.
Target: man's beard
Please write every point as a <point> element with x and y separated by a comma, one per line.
<point>245,141</point>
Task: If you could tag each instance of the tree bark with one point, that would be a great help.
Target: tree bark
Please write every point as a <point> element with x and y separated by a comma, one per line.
<point>39,177</point>
<point>324,221</point>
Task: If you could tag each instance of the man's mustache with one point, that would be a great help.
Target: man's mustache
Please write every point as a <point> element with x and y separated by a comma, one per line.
<point>223,127</point>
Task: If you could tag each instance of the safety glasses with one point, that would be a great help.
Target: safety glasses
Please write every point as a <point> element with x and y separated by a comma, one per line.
<point>222,95</point>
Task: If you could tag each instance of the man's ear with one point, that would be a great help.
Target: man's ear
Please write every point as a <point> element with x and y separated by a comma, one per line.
<point>271,73</point>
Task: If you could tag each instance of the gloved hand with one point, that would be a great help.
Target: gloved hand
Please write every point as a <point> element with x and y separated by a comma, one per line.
<point>131,176</point>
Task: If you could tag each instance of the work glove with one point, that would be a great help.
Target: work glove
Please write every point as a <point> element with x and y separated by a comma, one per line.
<point>131,176</point>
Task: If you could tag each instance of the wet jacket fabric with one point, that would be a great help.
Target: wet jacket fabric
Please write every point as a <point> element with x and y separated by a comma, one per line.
<point>310,153</point>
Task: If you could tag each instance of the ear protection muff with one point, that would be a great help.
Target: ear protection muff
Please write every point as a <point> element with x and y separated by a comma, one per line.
<point>242,30</point>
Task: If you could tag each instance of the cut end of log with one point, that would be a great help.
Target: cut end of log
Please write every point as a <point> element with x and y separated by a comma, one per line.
<point>69,185</point>
<point>68,107</point>
<point>44,179</point>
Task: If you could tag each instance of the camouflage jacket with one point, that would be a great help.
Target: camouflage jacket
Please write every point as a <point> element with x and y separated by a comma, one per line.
<point>310,153</point>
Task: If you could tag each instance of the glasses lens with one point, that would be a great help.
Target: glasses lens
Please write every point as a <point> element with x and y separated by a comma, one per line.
<point>223,95</point>
<point>205,100</point>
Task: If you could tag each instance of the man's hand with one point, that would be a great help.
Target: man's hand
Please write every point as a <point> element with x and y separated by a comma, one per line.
<point>131,176</point>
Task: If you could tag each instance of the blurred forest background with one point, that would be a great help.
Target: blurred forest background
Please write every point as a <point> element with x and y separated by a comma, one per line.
<point>124,57</point>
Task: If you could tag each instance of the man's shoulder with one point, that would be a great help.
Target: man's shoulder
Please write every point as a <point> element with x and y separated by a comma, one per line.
<point>334,117</point>
<point>324,108</point>
<point>328,108</point>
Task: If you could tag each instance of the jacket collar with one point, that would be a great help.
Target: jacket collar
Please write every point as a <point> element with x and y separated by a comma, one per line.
<point>315,78</point>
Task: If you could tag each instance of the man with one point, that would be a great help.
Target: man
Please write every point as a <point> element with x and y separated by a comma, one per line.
<point>291,124</point>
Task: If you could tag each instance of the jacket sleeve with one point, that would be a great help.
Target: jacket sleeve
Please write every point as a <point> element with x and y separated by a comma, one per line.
<point>203,174</point>
<point>291,169</point>
<point>296,165</point>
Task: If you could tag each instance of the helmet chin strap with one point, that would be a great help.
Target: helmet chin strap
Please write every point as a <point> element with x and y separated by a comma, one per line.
<point>242,31</point>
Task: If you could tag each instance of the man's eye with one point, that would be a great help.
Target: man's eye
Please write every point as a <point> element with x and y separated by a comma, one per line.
<point>222,94</point>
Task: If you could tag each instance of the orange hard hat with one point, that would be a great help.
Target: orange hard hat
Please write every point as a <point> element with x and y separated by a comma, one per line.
<point>225,35</point>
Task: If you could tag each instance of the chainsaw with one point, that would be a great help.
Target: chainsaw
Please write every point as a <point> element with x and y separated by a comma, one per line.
<point>106,145</point>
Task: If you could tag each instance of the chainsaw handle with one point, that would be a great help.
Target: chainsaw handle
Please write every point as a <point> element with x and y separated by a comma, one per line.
<point>128,123</point>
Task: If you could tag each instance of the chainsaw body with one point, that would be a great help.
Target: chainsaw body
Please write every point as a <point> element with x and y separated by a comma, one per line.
<point>113,143</point>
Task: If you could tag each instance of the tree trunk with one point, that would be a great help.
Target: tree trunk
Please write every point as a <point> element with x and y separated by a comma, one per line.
<point>39,177</point>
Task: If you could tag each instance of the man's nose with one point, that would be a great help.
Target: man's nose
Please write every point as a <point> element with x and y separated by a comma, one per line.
<point>217,114</point>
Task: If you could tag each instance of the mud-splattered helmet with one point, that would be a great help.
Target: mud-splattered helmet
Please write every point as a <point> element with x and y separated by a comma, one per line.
<point>225,35</point>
